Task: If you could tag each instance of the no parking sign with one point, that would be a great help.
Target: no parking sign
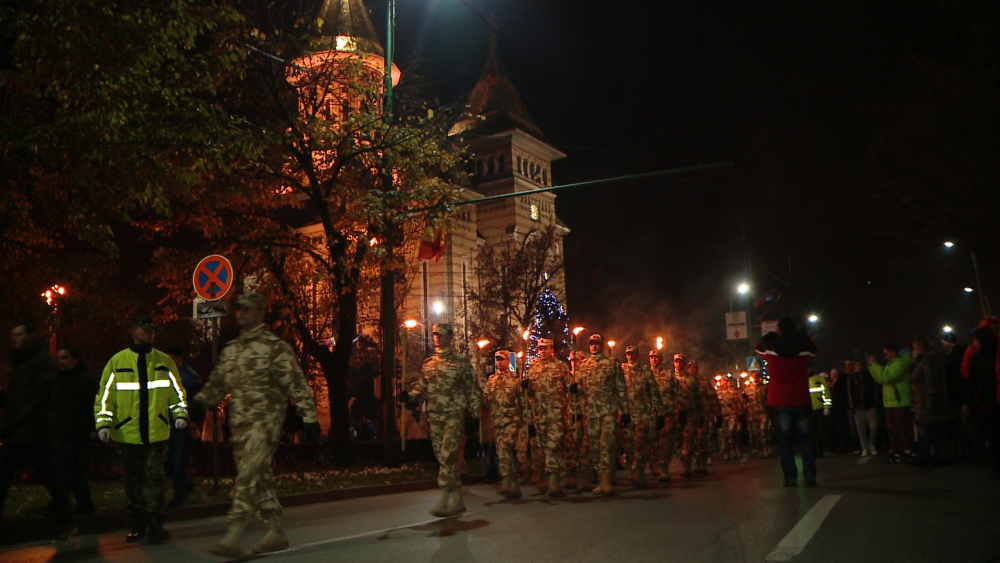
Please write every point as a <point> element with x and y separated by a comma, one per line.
<point>213,277</point>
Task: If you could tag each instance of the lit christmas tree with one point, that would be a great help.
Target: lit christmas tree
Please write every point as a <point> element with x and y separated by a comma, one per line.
<point>551,322</point>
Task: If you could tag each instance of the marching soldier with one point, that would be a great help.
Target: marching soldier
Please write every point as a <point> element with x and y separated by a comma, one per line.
<point>503,392</point>
<point>755,395</point>
<point>708,421</point>
<point>547,383</point>
<point>688,410</point>
<point>646,405</point>
<point>602,383</point>
<point>577,464</point>
<point>448,385</point>
<point>733,408</point>
<point>670,393</point>
<point>259,372</point>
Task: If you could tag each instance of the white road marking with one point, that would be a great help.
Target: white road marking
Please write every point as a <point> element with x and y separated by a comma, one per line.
<point>796,540</point>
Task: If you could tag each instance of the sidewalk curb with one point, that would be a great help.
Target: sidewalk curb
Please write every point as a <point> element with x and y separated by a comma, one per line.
<point>40,530</point>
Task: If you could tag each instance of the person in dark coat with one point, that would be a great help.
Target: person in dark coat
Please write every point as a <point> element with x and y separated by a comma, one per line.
<point>862,394</point>
<point>27,430</point>
<point>75,391</point>
<point>930,403</point>
<point>179,446</point>
<point>979,401</point>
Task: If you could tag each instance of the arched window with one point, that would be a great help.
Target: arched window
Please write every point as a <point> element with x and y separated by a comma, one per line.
<point>479,168</point>
<point>501,164</point>
<point>490,167</point>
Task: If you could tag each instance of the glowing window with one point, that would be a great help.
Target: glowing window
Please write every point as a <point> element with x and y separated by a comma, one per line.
<point>534,212</point>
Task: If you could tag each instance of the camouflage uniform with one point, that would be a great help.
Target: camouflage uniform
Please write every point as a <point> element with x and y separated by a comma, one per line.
<point>448,385</point>
<point>575,445</point>
<point>645,404</point>
<point>688,404</point>
<point>711,408</point>
<point>758,422</point>
<point>260,373</point>
<point>670,392</point>
<point>549,382</point>
<point>503,393</point>
<point>602,384</point>
<point>733,408</point>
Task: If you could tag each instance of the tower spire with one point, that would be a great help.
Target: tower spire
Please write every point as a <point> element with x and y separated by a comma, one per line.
<point>493,36</point>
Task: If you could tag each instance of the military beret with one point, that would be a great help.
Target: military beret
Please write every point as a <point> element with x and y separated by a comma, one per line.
<point>443,328</point>
<point>251,300</point>
<point>545,342</point>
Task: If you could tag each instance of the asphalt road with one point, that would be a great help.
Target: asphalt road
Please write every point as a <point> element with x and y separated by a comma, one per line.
<point>740,512</point>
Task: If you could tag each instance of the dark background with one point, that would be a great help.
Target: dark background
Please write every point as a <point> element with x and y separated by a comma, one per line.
<point>793,93</point>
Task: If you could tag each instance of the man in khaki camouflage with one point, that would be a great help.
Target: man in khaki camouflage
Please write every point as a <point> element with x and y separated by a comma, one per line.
<point>733,408</point>
<point>504,395</point>
<point>646,405</point>
<point>670,393</point>
<point>602,383</point>
<point>758,421</point>
<point>448,385</point>
<point>548,382</point>
<point>688,405</point>
<point>708,419</point>
<point>260,373</point>
<point>575,445</point>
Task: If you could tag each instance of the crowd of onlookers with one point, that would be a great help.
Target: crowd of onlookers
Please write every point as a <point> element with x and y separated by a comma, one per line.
<point>928,404</point>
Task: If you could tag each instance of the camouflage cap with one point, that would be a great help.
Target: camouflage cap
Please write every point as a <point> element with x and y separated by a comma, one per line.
<point>442,328</point>
<point>631,348</point>
<point>250,301</point>
<point>545,342</point>
<point>678,356</point>
<point>655,352</point>
<point>143,322</point>
<point>502,354</point>
<point>596,338</point>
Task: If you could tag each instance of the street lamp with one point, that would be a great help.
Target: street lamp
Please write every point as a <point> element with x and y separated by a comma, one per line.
<point>408,325</point>
<point>813,318</point>
<point>984,302</point>
<point>967,290</point>
<point>743,288</point>
<point>948,244</point>
<point>947,329</point>
<point>438,308</point>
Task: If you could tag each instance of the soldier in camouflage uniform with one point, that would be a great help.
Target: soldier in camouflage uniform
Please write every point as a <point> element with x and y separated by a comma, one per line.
<point>733,408</point>
<point>602,383</point>
<point>259,372</point>
<point>758,421</point>
<point>688,405</point>
<point>503,393</point>
<point>709,419</point>
<point>670,393</point>
<point>548,382</point>
<point>575,448</point>
<point>646,405</point>
<point>448,385</point>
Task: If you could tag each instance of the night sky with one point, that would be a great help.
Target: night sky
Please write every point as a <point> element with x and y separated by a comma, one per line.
<point>792,94</point>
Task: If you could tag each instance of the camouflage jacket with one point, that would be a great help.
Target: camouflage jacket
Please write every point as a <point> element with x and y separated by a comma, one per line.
<point>548,387</point>
<point>260,373</point>
<point>644,399</point>
<point>689,398</point>
<point>732,402</point>
<point>602,385</point>
<point>756,399</point>
<point>670,391</point>
<point>448,384</point>
<point>503,393</point>
<point>710,405</point>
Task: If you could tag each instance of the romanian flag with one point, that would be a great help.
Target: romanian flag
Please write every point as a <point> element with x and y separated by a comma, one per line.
<point>432,244</point>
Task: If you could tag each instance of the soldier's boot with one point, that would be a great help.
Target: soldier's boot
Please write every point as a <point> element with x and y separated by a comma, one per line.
<point>274,540</point>
<point>456,505</point>
<point>555,485</point>
<point>155,532</point>
<point>515,489</point>
<point>504,489</point>
<point>606,486</point>
<point>138,532</point>
<point>441,508</point>
<point>640,478</point>
<point>525,476</point>
<point>231,543</point>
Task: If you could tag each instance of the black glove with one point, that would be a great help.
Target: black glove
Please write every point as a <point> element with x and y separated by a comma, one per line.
<point>471,426</point>
<point>661,423</point>
<point>531,431</point>
<point>310,432</point>
<point>682,418</point>
<point>524,384</point>
<point>718,420</point>
<point>574,388</point>
<point>626,420</point>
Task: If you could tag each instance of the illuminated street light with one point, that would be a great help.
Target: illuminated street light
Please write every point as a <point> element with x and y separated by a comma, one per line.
<point>410,323</point>
<point>438,307</point>
<point>967,290</point>
<point>743,288</point>
<point>947,329</point>
<point>948,244</point>
<point>813,318</point>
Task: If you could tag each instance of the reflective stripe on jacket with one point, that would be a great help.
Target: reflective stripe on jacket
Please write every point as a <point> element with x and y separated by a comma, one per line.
<point>139,399</point>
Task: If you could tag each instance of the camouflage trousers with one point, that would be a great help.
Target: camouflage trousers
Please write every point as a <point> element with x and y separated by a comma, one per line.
<point>447,431</point>
<point>729,441</point>
<point>254,495</point>
<point>666,446</point>
<point>145,477</point>
<point>529,453</point>
<point>686,442</point>
<point>575,445</point>
<point>551,435</point>
<point>640,441</point>
<point>506,439</point>
<point>760,435</point>
<point>706,441</point>
<point>602,431</point>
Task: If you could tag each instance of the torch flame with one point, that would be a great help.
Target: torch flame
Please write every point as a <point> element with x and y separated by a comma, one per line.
<point>520,354</point>
<point>410,323</point>
<point>525,334</point>
<point>659,343</point>
<point>483,343</point>
<point>743,375</point>
<point>578,330</point>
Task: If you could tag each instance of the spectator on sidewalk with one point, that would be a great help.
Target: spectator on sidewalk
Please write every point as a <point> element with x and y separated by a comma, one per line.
<point>787,353</point>
<point>842,438</point>
<point>27,430</point>
<point>979,401</point>
<point>897,398</point>
<point>862,392</point>
<point>962,444</point>
<point>179,446</point>
<point>930,404</point>
<point>75,389</point>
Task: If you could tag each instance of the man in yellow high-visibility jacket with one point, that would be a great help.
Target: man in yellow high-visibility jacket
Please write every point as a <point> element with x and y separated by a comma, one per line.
<point>140,397</point>
<point>822,400</point>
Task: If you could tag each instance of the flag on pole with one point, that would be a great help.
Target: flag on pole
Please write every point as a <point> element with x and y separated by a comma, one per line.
<point>432,244</point>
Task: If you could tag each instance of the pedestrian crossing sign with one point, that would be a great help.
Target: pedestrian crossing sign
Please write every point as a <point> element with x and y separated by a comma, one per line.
<point>754,364</point>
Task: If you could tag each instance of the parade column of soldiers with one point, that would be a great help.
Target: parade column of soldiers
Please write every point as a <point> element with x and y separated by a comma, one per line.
<point>647,408</point>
